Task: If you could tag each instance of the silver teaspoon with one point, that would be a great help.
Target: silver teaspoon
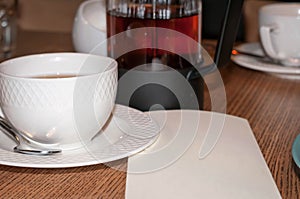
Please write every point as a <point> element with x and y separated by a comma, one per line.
<point>262,58</point>
<point>239,52</point>
<point>24,145</point>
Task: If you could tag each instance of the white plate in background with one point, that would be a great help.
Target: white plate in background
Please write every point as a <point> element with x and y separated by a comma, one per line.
<point>261,64</point>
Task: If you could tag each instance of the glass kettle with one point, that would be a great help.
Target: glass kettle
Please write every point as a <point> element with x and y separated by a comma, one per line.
<point>156,52</point>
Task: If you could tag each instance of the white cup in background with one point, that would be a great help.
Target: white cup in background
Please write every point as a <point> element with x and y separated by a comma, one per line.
<point>89,28</point>
<point>279,27</point>
<point>58,99</point>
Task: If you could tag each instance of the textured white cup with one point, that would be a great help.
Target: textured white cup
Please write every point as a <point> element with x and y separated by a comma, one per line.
<point>279,27</point>
<point>89,27</point>
<point>59,112</point>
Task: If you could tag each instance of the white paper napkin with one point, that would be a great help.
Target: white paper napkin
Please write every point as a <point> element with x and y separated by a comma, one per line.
<point>171,168</point>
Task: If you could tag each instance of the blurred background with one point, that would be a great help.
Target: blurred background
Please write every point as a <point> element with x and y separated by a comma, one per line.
<point>59,16</point>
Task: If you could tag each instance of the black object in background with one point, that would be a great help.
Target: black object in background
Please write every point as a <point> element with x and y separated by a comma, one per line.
<point>221,20</point>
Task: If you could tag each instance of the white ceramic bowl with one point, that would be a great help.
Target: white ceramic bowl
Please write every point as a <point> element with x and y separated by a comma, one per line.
<point>63,112</point>
<point>89,28</point>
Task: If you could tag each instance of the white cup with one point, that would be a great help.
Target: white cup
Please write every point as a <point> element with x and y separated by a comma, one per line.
<point>89,28</point>
<point>64,112</point>
<point>279,27</point>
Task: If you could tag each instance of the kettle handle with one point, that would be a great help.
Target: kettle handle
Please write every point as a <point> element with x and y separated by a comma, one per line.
<point>228,32</point>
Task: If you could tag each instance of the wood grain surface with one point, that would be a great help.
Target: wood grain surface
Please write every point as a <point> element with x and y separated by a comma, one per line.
<point>272,107</point>
<point>271,104</point>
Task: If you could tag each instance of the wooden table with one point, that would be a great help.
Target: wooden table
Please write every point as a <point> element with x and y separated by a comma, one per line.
<point>271,104</point>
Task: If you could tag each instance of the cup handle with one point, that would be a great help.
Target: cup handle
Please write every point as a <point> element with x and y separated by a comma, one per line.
<point>265,37</point>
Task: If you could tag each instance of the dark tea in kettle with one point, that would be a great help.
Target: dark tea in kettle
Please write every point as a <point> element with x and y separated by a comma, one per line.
<point>182,17</point>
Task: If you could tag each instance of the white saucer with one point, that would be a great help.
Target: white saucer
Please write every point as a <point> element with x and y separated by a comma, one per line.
<point>261,64</point>
<point>128,132</point>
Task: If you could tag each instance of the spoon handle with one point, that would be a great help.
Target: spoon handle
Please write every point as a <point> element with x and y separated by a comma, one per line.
<point>8,130</point>
<point>23,144</point>
<point>239,52</point>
